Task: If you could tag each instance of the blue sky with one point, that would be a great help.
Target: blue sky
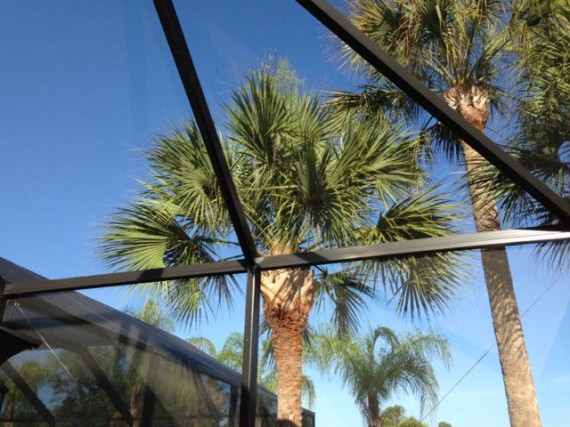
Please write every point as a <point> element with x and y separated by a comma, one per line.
<point>85,86</point>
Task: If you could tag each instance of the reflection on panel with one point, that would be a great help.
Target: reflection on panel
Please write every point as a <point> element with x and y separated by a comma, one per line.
<point>97,366</point>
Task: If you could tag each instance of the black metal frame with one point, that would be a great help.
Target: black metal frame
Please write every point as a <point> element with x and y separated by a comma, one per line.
<point>28,393</point>
<point>105,384</point>
<point>415,89</point>
<point>195,94</point>
<point>250,344</point>
<point>253,265</point>
<point>419,247</point>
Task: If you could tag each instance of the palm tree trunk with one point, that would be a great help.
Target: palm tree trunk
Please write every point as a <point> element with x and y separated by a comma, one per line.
<point>287,298</point>
<point>288,347</point>
<point>135,403</point>
<point>472,103</point>
<point>373,411</point>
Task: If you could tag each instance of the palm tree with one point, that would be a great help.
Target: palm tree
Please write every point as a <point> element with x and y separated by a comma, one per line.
<point>461,50</point>
<point>543,129</point>
<point>303,187</point>
<point>153,314</point>
<point>231,355</point>
<point>381,365</point>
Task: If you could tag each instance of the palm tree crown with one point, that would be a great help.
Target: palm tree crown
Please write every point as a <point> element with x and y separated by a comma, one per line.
<point>462,49</point>
<point>382,365</point>
<point>457,48</point>
<point>304,186</point>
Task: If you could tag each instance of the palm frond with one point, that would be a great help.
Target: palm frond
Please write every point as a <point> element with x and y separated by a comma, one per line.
<point>382,364</point>
<point>204,344</point>
<point>348,296</point>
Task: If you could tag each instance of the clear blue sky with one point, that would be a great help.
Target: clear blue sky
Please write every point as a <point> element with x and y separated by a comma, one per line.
<point>85,85</point>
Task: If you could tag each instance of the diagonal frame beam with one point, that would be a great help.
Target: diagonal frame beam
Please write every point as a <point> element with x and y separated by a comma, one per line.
<point>407,82</point>
<point>105,384</point>
<point>28,393</point>
<point>189,76</point>
<point>488,239</point>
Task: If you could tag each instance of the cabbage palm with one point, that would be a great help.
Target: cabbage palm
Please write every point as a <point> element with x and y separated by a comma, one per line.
<point>382,365</point>
<point>540,141</point>
<point>459,48</point>
<point>303,187</point>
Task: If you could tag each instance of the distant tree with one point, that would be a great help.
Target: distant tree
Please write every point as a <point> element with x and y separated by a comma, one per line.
<point>444,424</point>
<point>395,416</point>
<point>392,415</point>
<point>153,314</point>
<point>382,364</point>
<point>15,404</point>
<point>77,398</point>
<point>137,361</point>
<point>411,422</point>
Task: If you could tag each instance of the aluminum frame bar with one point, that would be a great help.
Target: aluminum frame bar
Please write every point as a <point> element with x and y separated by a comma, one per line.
<point>232,415</point>
<point>415,89</point>
<point>250,349</point>
<point>3,284</point>
<point>418,247</point>
<point>28,393</point>
<point>189,76</point>
<point>105,384</point>
<point>214,413</point>
<point>3,392</point>
<point>488,239</point>
<point>13,342</point>
<point>127,278</point>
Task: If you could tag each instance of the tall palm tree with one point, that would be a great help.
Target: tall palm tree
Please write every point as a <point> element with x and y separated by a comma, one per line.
<point>540,141</point>
<point>381,365</point>
<point>303,187</point>
<point>460,49</point>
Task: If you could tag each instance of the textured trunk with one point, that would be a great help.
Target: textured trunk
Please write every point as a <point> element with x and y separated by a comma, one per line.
<point>135,404</point>
<point>472,103</point>
<point>373,411</point>
<point>288,298</point>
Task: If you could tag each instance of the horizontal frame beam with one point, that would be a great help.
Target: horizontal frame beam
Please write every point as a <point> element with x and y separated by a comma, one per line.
<point>416,90</point>
<point>489,239</point>
<point>418,247</point>
<point>219,268</point>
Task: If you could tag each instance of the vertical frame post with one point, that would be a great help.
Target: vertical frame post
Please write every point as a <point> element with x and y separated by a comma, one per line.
<point>2,299</point>
<point>233,421</point>
<point>250,345</point>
